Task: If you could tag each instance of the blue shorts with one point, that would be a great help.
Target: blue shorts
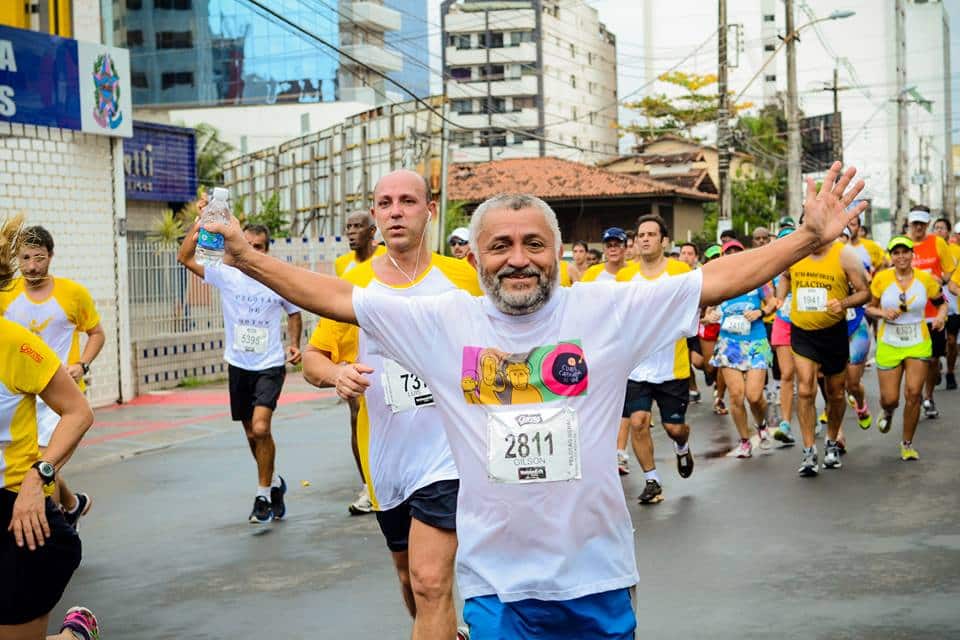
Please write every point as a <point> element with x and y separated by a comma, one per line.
<point>599,616</point>
<point>860,343</point>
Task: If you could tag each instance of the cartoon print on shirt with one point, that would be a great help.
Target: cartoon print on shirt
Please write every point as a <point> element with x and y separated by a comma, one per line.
<point>544,374</point>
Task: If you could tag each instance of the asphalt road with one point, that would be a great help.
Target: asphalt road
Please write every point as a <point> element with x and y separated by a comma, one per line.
<point>743,549</point>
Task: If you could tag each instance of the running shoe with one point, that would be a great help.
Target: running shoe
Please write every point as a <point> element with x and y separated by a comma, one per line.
<point>719,407</point>
<point>652,493</point>
<point>782,434</point>
<point>765,440</point>
<point>744,449</point>
<point>809,466</point>
<point>362,505</point>
<point>885,422</point>
<point>864,419</point>
<point>851,401</point>
<point>84,502</point>
<point>463,633</point>
<point>695,396</point>
<point>951,381</point>
<point>262,513</point>
<point>831,459</point>
<point>907,452</point>
<point>623,464</point>
<point>685,463</point>
<point>930,408</point>
<point>82,623</point>
<point>276,499</point>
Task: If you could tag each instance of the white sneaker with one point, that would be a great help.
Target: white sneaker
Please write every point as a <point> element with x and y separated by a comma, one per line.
<point>362,505</point>
<point>831,459</point>
<point>745,449</point>
<point>765,440</point>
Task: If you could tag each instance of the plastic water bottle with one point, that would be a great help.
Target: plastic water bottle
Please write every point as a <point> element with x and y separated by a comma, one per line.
<point>210,245</point>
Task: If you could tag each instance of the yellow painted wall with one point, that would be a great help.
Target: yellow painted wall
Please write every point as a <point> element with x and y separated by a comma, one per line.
<point>13,13</point>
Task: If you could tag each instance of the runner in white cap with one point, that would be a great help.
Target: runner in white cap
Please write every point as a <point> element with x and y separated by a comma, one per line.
<point>459,241</point>
<point>543,525</point>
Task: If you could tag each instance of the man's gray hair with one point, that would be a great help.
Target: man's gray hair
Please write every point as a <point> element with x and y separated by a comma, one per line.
<point>514,202</point>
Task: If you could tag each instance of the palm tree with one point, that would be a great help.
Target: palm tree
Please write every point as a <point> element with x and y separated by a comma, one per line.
<point>212,153</point>
<point>168,229</point>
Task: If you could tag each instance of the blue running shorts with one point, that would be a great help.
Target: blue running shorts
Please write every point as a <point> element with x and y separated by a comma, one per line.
<point>599,616</point>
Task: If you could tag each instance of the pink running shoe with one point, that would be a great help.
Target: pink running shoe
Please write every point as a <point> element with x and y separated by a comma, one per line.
<point>745,450</point>
<point>81,620</point>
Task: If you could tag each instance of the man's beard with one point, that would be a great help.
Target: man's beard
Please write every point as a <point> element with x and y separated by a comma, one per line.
<point>518,303</point>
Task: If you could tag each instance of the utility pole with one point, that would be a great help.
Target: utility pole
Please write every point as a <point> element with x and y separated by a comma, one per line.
<point>923,175</point>
<point>836,127</point>
<point>794,169</point>
<point>900,197</point>
<point>723,118</point>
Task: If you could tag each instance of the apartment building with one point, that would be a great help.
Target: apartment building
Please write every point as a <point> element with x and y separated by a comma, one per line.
<point>529,78</point>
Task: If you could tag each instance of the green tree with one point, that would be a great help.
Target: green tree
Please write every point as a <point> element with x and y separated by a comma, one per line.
<point>696,104</point>
<point>271,215</point>
<point>212,153</point>
<point>757,202</point>
<point>167,229</point>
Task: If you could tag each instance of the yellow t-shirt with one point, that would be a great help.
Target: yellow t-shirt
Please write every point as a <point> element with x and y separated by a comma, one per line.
<point>402,442</point>
<point>813,281</point>
<point>59,320</point>
<point>891,295</point>
<point>598,273</point>
<point>348,261</point>
<point>26,367</point>
<point>672,363</point>
<point>876,252</point>
<point>565,274</point>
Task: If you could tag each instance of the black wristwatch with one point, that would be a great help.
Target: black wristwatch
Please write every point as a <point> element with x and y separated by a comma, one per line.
<point>46,470</point>
<point>85,367</point>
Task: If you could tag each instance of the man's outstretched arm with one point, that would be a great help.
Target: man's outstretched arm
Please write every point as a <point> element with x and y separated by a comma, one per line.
<point>825,216</point>
<point>326,296</point>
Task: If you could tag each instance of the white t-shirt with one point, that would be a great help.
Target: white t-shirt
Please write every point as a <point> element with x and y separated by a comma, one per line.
<point>251,319</point>
<point>401,440</point>
<point>554,540</point>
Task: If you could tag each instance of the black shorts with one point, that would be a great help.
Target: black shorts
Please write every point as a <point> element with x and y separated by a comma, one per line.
<point>953,324</point>
<point>249,389</point>
<point>830,347</point>
<point>672,398</point>
<point>34,581</point>
<point>939,340</point>
<point>434,504</point>
<point>693,344</point>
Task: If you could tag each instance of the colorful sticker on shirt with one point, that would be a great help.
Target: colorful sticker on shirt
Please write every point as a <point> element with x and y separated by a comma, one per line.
<point>544,374</point>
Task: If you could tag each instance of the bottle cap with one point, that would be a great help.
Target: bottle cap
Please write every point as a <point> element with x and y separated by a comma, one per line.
<point>221,194</point>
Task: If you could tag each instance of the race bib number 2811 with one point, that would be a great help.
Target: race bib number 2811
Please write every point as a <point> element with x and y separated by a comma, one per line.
<point>533,446</point>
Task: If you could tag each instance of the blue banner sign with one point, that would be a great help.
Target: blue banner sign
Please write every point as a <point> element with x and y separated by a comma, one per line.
<point>159,163</point>
<point>58,82</point>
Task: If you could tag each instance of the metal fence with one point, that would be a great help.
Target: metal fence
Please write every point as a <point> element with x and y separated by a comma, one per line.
<point>167,300</point>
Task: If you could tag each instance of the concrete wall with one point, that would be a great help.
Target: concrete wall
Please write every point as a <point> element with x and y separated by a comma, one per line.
<point>68,182</point>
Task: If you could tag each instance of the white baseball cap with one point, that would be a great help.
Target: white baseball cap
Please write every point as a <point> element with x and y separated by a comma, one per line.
<point>918,215</point>
<point>461,233</point>
<point>956,228</point>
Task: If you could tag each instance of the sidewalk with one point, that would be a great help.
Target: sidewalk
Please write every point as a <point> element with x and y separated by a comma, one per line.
<point>161,419</point>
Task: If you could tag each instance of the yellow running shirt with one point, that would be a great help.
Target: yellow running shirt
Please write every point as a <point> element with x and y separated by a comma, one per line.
<point>400,434</point>
<point>910,324</point>
<point>672,363</point>
<point>598,273</point>
<point>349,260</point>
<point>565,274</point>
<point>26,367</point>
<point>813,281</point>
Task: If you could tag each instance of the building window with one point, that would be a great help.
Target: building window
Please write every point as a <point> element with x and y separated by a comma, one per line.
<point>528,70</point>
<point>573,81</point>
<point>516,37</point>
<point>493,40</point>
<point>519,137</point>
<point>573,51</point>
<point>462,106</point>
<point>491,72</point>
<point>459,40</point>
<point>138,79</point>
<point>134,38</point>
<point>496,105</point>
<point>573,113</point>
<point>493,138</point>
<point>575,141</point>
<point>589,57</point>
<point>524,102</point>
<point>593,118</point>
<point>177,5</point>
<point>174,40</point>
<point>769,47</point>
<point>462,138</point>
<point>769,17</point>
<point>134,5</point>
<point>770,78</point>
<point>172,79</point>
<point>462,74</point>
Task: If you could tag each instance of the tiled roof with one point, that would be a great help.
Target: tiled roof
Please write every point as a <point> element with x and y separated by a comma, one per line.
<point>553,179</point>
